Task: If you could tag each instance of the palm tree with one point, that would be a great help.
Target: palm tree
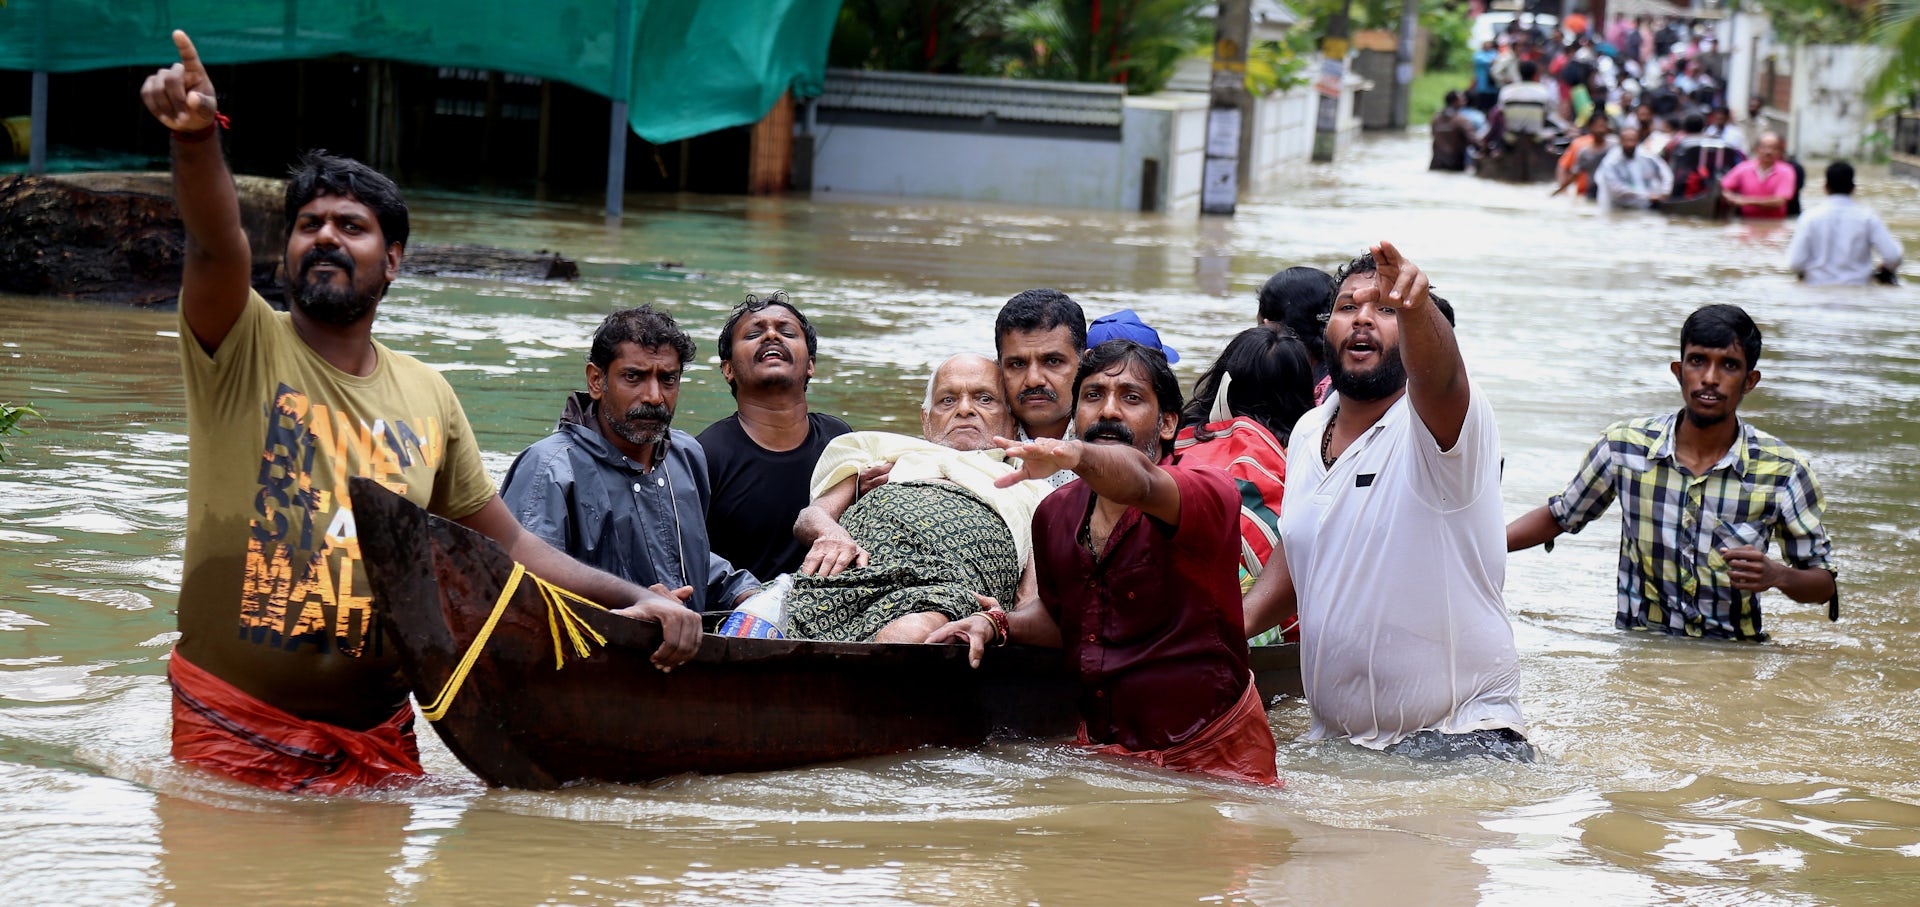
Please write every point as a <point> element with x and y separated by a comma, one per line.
<point>1132,42</point>
<point>1897,28</point>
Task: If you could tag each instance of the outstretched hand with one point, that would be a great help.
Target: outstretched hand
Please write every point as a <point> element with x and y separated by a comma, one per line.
<point>1404,284</point>
<point>181,96</point>
<point>1039,458</point>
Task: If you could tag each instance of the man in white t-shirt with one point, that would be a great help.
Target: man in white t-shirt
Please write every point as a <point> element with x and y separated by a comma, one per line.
<point>1393,541</point>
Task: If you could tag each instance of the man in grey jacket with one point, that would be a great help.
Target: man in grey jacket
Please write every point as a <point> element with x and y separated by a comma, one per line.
<point>615,485</point>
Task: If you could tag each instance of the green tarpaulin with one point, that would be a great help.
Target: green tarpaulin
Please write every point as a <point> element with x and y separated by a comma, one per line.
<point>684,67</point>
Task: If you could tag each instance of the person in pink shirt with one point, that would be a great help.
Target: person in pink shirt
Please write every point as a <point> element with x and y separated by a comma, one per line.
<point>1763,184</point>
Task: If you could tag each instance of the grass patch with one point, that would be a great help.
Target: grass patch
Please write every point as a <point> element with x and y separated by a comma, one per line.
<point>1430,89</point>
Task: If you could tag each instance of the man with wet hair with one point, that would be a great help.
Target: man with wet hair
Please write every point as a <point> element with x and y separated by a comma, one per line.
<point>1762,186</point>
<point>283,676</point>
<point>1702,494</point>
<point>1584,154</point>
<point>1453,134</point>
<point>616,486</point>
<point>1038,337</point>
<point>760,458</point>
<point>1720,126</point>
<point>1629,179</point>
<point>1390,534</point>
<point>1525,104</point>
<point>1834,243</point>
<point>1137,573</point>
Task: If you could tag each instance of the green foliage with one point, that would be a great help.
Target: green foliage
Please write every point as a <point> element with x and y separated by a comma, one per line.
<point>10,416</point>
<point>1896,27</point>
<point>1450,33</point>
<point>1448,26</point>
<point>1817,21</point>
<point>1429,92</point>
<point>1134,42</point>
<point>911,35</point>
<point>1274,66</point>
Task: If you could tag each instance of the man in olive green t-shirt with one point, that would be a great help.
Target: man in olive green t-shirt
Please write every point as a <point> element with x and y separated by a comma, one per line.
<point>281,676</point>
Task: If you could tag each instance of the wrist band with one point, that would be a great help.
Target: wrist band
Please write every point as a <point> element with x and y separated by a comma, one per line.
<point>998,618</point>
<point>205,132</point>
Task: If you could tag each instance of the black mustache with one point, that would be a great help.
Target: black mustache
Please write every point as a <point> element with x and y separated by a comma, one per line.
<point>1046,392</point>
<point>318,255</point>
<point>647,412</point>
<point>1108,430</point>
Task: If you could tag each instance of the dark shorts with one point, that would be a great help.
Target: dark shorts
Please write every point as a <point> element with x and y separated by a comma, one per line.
<point>1505,744</point>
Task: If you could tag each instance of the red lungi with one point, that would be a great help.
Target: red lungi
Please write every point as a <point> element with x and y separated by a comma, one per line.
<point>230,732</point>
<point>1237,745</point>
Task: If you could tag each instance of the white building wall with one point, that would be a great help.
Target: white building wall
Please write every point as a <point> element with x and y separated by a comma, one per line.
<point>1284,136</point>
<point>974,166</point>
<point>1749,41</point>
<point>1170,127</point>
<point>1829,116</point>
<point>1189,142</point>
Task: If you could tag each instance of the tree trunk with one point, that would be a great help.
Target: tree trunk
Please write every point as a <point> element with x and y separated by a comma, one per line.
<point>117,237</point>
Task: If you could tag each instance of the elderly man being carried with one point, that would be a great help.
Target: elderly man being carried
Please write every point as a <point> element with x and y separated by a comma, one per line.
<point>900,562</point>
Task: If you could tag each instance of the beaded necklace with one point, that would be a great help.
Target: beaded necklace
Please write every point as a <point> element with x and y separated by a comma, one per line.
<point>1326,439</point>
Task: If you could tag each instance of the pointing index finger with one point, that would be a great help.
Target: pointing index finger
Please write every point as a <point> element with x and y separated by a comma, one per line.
<point>189,57</point>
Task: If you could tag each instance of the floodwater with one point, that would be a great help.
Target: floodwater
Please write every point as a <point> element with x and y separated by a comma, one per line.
<point>1674,773</point>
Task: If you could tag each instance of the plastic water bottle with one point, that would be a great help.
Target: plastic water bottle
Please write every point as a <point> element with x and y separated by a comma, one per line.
<point>764,614</point>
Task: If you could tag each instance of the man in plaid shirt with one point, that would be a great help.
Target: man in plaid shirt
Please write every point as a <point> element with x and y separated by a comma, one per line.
<point>1701,494</point>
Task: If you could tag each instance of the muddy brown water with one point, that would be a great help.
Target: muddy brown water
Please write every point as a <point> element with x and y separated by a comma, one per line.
<point>1675,772</point>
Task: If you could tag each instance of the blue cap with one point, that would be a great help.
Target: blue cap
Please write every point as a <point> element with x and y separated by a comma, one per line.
<point>1125,325</point>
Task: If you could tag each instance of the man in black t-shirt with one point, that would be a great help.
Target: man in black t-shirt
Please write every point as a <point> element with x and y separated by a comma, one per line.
<point>761,458</point>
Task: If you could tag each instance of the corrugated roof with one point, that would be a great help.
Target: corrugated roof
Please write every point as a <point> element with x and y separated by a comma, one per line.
<point>973,98</point>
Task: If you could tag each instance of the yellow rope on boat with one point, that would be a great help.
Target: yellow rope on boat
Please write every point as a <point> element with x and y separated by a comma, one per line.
<point>561,617</point>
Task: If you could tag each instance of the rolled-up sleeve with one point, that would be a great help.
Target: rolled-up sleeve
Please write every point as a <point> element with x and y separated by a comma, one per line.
<point>1803,536</point>
<point>1590,492</point>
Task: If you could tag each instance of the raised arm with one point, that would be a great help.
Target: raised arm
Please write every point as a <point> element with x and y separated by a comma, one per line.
<point>679,625</point>
<point>1436,375</point>
<point>218,269</point>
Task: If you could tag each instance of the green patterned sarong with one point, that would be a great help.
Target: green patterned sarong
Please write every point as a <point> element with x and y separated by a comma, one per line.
<point>930,547</point>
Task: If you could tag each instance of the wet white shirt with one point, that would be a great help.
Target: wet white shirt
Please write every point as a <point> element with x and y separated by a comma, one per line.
<point>1631,182</point>
<point>1834,243</point>
<point>1399,553</point>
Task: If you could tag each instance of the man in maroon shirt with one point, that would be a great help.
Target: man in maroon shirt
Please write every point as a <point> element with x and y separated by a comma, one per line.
<point>1137,562</point>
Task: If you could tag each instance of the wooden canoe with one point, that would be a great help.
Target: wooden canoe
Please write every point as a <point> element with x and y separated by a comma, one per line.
<point>1707,204</point>
<point>740,705</point>
<point>1530,159</point>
